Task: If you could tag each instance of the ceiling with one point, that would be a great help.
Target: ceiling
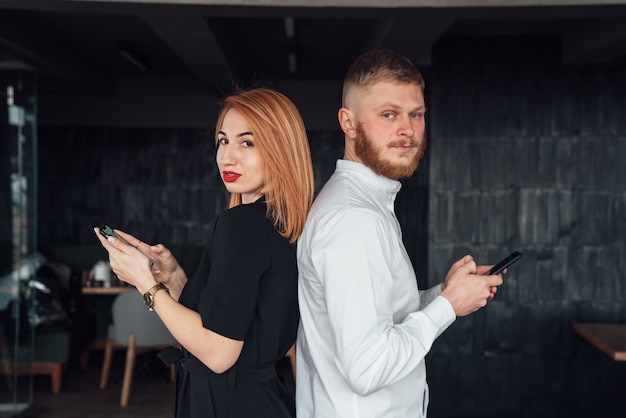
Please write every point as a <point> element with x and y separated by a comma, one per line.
<point>86,47</point>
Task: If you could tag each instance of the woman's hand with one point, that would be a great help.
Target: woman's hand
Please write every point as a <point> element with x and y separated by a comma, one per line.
<point>127,261</point>
<point>163,265</point>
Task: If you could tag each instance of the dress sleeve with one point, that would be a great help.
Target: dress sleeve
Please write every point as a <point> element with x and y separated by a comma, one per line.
<point>352,256</point>
<point>240,256</point>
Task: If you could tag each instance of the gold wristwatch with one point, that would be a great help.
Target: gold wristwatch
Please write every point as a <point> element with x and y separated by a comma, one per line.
<point>148,297</point>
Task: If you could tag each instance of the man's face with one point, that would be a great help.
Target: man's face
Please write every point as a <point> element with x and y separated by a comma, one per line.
<point>390,128</point>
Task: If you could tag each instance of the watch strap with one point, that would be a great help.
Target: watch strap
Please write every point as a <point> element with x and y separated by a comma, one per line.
<point>148,297</point>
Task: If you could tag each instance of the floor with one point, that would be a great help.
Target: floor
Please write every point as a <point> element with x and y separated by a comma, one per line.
<point>152,394</point>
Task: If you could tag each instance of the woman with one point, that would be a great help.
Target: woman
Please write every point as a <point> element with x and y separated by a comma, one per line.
<point>239,313</point>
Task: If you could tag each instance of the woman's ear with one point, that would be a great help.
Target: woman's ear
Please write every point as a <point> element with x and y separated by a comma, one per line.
<point>346,121</point>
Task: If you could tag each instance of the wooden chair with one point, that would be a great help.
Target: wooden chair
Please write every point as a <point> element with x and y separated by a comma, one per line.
<point>5,357</point>
<point>137,330</point>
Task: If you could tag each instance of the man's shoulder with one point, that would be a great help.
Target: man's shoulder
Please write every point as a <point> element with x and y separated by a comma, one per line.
<point>337,200</point>
<point>343,210</point>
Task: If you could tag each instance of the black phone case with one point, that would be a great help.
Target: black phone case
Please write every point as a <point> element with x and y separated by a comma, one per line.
<point>497,269</point>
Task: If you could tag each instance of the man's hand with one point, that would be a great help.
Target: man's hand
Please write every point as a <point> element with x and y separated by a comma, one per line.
<point>467,288</point>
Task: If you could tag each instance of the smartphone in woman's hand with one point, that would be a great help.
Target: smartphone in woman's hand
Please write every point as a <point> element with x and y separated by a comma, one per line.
<point>106,231</point>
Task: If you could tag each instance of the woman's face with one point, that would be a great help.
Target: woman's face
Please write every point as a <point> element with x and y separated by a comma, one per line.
<point>238,159</point>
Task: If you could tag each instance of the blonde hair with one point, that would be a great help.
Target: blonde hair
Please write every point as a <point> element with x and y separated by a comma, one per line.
<point>381,65</point>
<point>280,137</point>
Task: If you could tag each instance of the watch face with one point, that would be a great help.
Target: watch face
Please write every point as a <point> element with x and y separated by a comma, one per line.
<point>147,298</point>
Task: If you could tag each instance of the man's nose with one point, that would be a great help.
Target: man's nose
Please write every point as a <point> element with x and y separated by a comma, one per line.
<point>406,126</point>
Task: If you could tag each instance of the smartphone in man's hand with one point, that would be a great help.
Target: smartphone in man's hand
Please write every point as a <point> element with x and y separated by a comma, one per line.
<point>506,262</point>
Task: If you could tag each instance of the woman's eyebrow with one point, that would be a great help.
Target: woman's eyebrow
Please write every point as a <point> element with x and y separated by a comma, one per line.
<point>238,136</point>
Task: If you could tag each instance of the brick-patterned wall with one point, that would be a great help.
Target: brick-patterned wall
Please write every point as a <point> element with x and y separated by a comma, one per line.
<point>528,154</point>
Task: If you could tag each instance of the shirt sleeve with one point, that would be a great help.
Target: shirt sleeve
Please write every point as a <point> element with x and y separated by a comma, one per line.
<point>428,295</point>
<point>240,256</point>
<point>352,255</point>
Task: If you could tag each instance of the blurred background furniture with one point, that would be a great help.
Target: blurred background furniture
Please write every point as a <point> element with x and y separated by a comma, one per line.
<point>137,330</point>
<point>57,327</point>
<point>608,338</point>
<point>81,258</point>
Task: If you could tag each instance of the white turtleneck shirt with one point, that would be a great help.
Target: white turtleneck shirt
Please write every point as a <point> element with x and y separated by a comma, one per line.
<point>365,327</point>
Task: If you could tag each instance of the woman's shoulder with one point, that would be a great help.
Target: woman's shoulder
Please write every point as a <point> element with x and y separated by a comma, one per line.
<point>247,215</point>
<point>244,227</point>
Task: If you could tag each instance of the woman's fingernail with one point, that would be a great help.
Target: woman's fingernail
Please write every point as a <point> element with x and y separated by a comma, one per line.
<point>111,239</point>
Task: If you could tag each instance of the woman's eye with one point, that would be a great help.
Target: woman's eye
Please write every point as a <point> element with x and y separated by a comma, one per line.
<point>247,144</point>
<point>222,141</point>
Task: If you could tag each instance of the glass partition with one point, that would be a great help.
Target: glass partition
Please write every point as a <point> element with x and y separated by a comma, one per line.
<point>18,231</point>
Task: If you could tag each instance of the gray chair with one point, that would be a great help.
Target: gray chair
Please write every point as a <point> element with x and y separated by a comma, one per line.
<point>137,330</point>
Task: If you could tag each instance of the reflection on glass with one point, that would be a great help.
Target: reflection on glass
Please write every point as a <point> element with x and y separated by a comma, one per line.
<point>18,258</point>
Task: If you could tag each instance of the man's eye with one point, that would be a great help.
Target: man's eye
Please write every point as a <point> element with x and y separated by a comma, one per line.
<point>387,115</point>
<point>417,115</point>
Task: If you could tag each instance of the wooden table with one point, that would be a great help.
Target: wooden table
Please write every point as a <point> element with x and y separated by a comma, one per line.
<point>609,338</point>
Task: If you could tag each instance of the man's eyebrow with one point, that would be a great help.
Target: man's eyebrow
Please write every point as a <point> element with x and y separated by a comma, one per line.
<point>395,107</point>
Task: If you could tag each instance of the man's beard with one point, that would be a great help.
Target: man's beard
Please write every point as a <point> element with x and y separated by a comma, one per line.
<point>369,154</point>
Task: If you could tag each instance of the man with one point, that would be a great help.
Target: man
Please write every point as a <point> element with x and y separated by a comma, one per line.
<point>365,328</point>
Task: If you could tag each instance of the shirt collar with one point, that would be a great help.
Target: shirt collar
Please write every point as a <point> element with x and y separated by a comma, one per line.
<point>380,182</point>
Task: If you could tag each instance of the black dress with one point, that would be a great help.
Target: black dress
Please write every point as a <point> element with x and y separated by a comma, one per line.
<point>245,288</point>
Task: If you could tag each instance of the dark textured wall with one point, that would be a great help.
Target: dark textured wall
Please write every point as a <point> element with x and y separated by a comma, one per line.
<point>524,154</point>
<point>161,185</point>
<point>529,155</point>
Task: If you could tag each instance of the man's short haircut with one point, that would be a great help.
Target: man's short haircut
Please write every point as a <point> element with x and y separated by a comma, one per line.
<point>381,65</point>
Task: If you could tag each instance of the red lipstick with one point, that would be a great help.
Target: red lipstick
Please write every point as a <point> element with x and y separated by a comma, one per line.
<point>230,176</point>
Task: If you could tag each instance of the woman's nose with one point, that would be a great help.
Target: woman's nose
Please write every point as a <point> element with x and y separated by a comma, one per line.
<point>225,155</point>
